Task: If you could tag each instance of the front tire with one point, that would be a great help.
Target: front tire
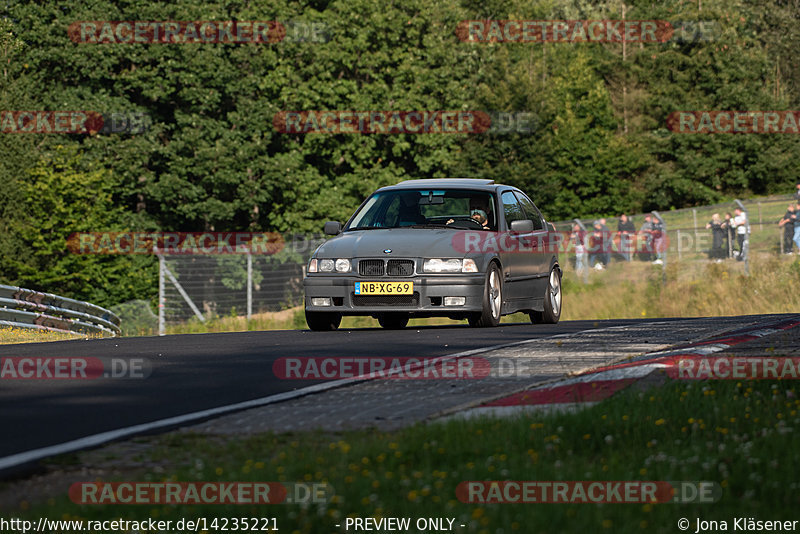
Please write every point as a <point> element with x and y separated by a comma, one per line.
<point>552,301</point>
<point>393,320</point>
<point>492,300</point>
<point>323,321</point>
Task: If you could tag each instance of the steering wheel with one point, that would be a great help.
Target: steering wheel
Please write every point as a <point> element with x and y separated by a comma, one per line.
<point>469,220</point>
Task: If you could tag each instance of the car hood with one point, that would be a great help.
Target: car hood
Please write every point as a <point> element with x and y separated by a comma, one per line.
<point>403,243</point>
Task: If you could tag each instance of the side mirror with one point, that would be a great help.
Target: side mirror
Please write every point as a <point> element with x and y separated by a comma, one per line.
<point>522,227</point>
<point>332,228</point>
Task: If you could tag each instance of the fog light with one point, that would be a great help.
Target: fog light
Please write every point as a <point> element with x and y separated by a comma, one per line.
<point>455,301</point>
<point>320,301</point>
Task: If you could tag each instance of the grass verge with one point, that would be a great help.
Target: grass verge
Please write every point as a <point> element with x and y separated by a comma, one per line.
<point>738,434</point>
<point>12,335</point>
<point>623,291</point>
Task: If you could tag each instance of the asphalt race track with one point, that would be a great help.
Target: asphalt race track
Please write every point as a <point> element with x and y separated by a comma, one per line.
<point>193,373</point>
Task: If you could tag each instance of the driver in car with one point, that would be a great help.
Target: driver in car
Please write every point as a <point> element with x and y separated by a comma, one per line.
<point>480,217</point>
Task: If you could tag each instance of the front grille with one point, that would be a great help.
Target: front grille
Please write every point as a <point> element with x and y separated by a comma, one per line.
<point>385,300</point>
<point>370,267</point>
<point>400,267</point>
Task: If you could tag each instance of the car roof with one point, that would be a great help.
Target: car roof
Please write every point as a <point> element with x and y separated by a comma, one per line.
<point>468,183</point>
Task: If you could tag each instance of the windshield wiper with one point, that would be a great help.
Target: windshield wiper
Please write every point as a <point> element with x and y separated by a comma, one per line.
<point>365,228</point>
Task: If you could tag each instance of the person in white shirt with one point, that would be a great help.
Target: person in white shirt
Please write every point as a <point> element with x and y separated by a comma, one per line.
<point>740,221</point>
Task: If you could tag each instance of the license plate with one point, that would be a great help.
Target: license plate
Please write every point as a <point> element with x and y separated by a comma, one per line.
<point>384,288</point>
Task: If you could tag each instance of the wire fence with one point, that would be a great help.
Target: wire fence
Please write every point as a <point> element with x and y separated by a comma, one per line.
<point>240,284</point>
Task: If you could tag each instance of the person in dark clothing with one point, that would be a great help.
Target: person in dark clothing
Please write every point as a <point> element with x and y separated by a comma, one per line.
<point>626,229</point>
<point>797,192</point>
<point>598,243</point>
<point>717,237</point>
<point>787,223</point>
<point>729,235</point>
<point>646,239</point>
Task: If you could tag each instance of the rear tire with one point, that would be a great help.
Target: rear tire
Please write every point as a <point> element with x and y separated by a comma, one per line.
<point>492,300</point>
<point>552,301</point>
<point>393,320</point>
<point>323,321</point>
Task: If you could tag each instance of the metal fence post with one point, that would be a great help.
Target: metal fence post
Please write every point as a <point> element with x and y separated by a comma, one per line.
<point>679,243</point>
<point>249,284</point>
<point>781,231</point>
<point>694,217</point>
<point>162,299</point>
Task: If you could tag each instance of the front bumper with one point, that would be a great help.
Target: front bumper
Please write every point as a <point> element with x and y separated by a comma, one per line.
<point>427,300</point>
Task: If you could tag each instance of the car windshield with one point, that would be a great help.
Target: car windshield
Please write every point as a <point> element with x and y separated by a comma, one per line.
<point>446,208</point>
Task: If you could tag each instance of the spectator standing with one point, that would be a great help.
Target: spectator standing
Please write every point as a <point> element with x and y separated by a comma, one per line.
<point>787,223</point>
<point>797,192</point>
<point>646,236</point>
<point>659,241</point>
<point>797,225</point>
<point>578,240</point>
<point>596,246</point>
<point>740,221</point>
<point>626,230</point>
<point>607,242</point>
<point>729,234</point>
<point>717,237</point>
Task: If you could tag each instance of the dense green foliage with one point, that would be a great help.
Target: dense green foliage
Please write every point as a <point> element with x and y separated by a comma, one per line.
<point>212,159</point>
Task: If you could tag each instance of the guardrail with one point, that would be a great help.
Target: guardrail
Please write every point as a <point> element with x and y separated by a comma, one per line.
<point>25,308</point>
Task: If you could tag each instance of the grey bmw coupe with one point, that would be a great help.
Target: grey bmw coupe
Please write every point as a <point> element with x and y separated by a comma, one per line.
<point>460,248</point>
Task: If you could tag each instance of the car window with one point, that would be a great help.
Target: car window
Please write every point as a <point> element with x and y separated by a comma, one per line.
<point>511,208</point>
<point>456,208</point>
<point>531,212</point>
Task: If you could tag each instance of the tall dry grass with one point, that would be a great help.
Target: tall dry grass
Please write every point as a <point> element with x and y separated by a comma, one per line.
<point>692,289</point>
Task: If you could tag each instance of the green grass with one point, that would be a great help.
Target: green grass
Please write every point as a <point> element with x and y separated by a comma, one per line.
<point>739,435</point>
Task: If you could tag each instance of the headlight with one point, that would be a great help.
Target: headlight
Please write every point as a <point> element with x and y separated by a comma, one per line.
<point>342,265</point>
<point>436,265</point>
